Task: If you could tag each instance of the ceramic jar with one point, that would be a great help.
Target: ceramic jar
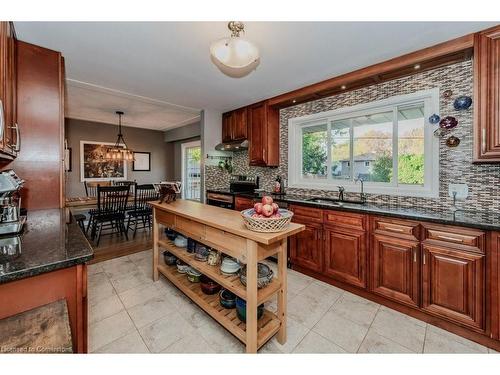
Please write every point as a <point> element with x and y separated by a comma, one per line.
<point>213,258</point>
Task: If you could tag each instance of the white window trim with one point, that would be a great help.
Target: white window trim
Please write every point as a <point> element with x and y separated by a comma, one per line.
<point>184,146</point>
<point>431,146</point>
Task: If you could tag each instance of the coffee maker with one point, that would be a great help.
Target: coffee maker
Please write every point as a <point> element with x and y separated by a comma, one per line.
<point>11,220</point>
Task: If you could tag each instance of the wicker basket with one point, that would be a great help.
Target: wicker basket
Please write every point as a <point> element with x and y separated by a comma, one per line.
<point>269,225</point>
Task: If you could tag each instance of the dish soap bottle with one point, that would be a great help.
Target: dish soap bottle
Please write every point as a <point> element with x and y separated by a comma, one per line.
<point>277,185</point>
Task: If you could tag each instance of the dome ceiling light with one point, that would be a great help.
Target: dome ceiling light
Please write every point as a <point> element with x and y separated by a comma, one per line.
<point>235,56</point>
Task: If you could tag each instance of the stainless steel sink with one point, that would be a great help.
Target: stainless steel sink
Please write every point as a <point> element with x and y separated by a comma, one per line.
<point>333,201</point>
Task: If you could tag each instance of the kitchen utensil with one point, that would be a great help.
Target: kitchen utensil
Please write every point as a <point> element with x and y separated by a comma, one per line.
<point>264,275</point>
<point>449,122</point>
<point>241,310</point>
<point>452,141</point>
<point>193,275</point>
<point>180,241</point>
<point>208,286</point>
<point>229,266</point>
<point>181,266</point>
<point>462,102</point>
<point>227,299</point>
<point>170,259</point>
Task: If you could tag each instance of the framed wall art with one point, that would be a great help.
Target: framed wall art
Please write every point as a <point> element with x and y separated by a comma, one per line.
<point>142,162</point>
<point>95,167</point>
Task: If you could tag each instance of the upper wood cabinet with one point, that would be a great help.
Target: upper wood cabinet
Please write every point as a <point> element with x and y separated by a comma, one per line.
<point>263,135</point>
<point>234,125</point>
<point>487,96</point>
<point>9,143</point>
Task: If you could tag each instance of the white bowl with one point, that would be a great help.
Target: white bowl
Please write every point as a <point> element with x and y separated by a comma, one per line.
<point>180,241</point>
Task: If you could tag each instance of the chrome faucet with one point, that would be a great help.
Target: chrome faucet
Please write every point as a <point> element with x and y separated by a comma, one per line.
<point>341,193</point>
<point>363,195</point>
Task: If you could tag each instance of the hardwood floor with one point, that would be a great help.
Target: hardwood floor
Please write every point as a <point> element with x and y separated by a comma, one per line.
<point>117,246</point>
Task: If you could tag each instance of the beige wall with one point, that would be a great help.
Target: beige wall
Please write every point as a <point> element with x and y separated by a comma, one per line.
<point>162,153</point>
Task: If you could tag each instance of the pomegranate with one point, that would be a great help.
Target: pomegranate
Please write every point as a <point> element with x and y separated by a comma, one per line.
<point>258,208</point>
<point>267,200</point>
<point>267,210</point>
<point>275,207</point>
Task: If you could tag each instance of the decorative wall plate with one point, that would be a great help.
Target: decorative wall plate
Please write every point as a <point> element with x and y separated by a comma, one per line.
<point>447,94</point>
<point>462,102</point>
<point>452,141</point>
<point>441,132</point>
<point>449,122</point>
<point>434,119</point>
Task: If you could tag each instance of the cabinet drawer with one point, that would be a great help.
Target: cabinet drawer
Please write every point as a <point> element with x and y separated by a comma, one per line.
<point>165,218</point>
<point>396,228</point>
<point>307,214</point>
<point>344,219</point>
<point>225,241</point>
<point>190,227</point>
<point>463,238</point>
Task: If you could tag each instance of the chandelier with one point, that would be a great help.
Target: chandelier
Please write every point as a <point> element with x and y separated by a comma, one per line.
<point>235,56</point>
<point>120,150</point>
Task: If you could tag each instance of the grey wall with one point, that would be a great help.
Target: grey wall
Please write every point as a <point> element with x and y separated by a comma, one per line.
<point>184,132</point>
<point>162,160</point>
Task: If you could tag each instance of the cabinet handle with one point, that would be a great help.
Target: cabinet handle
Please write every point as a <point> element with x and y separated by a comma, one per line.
<point>414,255</point>
<point>423,258</point>
<point>483,140</point>
<point>394,229</point>
<point>447,238</point>
<point>17,146</point>
<point>264,154</point>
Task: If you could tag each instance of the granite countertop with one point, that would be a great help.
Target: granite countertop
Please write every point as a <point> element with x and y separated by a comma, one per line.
<point>50,240</point>
<point>467,218</point>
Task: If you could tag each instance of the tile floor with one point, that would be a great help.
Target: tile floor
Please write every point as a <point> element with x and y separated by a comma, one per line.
<point>129,313</point>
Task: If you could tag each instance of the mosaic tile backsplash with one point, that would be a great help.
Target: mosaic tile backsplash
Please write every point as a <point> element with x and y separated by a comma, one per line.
<point>455,163</point>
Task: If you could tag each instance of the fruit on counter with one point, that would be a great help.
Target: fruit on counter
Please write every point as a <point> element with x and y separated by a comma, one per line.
<point>258,207</point>
<point>275,207</point>
<point>266,199</point>
<point>267,210</point>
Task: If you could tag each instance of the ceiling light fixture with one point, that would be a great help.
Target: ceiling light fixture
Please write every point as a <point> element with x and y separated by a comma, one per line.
<point>120,150</point>
<point>235,56</point>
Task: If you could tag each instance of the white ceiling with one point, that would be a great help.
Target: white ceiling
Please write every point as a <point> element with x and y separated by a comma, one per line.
<point>169,61</point>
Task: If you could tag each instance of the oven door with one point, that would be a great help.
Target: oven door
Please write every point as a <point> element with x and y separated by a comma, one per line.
<point>220,200</point>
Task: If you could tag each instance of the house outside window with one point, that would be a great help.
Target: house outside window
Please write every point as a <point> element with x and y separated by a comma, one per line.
<point>388,143</point>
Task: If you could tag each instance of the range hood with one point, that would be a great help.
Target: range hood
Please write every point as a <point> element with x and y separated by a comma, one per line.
<point>232,146</point>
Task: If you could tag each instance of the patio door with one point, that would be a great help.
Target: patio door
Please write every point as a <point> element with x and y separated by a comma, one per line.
<point>191,174</point>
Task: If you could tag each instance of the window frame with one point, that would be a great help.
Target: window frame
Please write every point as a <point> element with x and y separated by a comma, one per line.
<point>430,98</point>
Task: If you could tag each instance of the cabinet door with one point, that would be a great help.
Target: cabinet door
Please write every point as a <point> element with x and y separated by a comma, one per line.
<point>395,269</point>
<point>306,248</point>
<point>345,255</point>
<point>227,126</point>
<point>487,95</point>
<point>241,203</point>
<point>4,30</point>
<point>257,134</point>
<point>240,124</point>
<point>453,285</point>
<point>10,136</point>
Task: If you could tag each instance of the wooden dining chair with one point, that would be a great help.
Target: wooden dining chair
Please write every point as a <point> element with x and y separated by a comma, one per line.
<point>110,213</point>
<point>142,211</point>
<point>91,187</point>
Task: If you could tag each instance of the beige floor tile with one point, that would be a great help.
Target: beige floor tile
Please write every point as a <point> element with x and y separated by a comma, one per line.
<point>398,328</point>
<point>272,305</point>
<point>297,281</point>
<point>403,316</point>
<point>309,306</point>
<point>137,257</point>
<point>436,343</point>
<point>139,294</point>
<point>355,308</point>
<point>118,266</point>
<point>491,351</point>
<point>295,333</point>
<point>99,287</point>
<point>98,310</point>
<point>374,343</point>
<point>189,344</point>
<point>109,329</point>
<point>219,339</point>
<point>314,343</point>
<point>164,332</point>
<point>92,269</point>
<point>340,331</point>
<point>194,315</point>
<point>431,340</point>
<point>149,311</point>
<point>131,280</point>
<point>131,343</point>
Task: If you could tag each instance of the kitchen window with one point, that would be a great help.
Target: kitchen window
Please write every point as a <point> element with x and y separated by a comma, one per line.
<point>389,144</point>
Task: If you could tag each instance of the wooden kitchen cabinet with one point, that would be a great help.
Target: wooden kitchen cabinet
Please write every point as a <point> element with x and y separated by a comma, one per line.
<point>453,285</point>
<point>487,96</point>
<point>227,126</point>
<point>234,125</point>
<point>306,247</point>
<point>345,255</point>
<point>242,203</point>
<point>263,135</point>
<point>395,269</point>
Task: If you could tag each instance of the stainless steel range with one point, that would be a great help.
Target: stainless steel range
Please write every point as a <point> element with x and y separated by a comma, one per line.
<point>237,184</point>
<point>11,220</point>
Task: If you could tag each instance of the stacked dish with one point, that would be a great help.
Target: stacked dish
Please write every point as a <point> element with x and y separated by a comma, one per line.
<point>241,310</point>
<point>229,266</point>
<point>193,275</point>
<point>208,286</point>
<point>180,241</point>
<point>181,266</point>
<point>201,253</point>
<point>227,299</point>
<point>264,275</point>
<point>170,259</point>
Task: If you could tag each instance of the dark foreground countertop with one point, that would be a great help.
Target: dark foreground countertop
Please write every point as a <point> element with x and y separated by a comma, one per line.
<point>50,240</point>
<point>467,218</point>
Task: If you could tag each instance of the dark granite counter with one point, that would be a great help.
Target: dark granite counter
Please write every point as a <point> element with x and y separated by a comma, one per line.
<point>50,240</point>
<point>467,218</point>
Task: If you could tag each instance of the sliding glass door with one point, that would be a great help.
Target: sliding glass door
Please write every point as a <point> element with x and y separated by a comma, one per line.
<point>191,174</point>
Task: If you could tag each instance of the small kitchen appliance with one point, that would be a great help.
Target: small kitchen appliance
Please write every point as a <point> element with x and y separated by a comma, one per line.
<point>11,220</point>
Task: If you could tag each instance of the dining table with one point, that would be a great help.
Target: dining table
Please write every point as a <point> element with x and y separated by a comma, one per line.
<point>88,202</point>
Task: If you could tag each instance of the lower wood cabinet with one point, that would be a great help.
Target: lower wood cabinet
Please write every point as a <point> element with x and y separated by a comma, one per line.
<point>454,285</point>
<point>241,203</point>
<point>345,255</point>
<point>395,269</point>
<point>306,248</point>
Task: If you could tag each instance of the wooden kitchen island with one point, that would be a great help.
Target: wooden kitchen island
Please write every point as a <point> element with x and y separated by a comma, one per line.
<point>224,230</point>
